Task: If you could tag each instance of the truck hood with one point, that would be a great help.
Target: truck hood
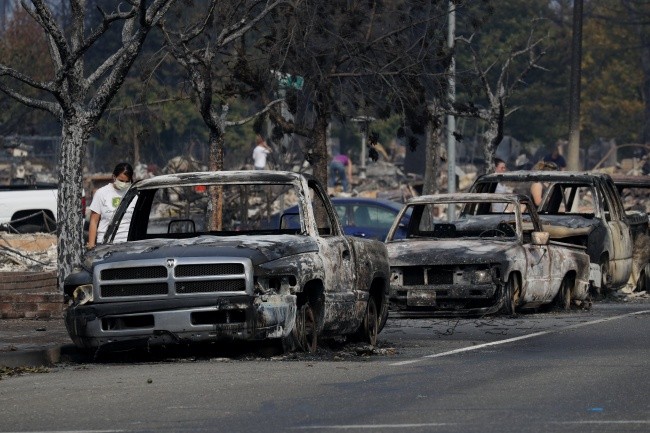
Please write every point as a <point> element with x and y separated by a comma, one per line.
<point>448,252</point>
<point>260,249</point>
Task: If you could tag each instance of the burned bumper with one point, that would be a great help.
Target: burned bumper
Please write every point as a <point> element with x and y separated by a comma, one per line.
<point>448,299</point>
<point>182,320</point>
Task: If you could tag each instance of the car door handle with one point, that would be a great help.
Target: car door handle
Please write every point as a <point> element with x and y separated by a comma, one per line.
<point>359,234</point>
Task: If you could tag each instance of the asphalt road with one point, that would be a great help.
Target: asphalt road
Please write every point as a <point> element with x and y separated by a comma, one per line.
<point>557,372</point>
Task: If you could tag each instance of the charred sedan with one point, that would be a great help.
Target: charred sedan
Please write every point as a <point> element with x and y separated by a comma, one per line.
<point>481,254</point>
<point>203,262</point>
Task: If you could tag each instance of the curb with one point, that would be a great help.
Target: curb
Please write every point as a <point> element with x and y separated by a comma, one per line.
<point>45,356</point>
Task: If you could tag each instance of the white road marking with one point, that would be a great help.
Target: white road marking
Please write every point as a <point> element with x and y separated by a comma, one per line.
<point>372,426</point>
<point>443,424</point>
<point>72,431</point>
<point>624,421</point>
<point>522,337</point>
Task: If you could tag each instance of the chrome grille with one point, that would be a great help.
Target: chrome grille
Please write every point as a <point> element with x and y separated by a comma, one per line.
<point>210,286</point>
<point>209,269</point>
<point>133,290</point>
<point>134,273</point>
<point>170,277</point>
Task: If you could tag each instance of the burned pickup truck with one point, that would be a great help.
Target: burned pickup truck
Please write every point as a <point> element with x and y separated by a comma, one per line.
<point>204,262</point>
<point>475,254</point>
<point>582,209</point>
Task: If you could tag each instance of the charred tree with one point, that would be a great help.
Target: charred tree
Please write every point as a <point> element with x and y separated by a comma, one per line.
<point>77,99</point>
<point>204,58</point>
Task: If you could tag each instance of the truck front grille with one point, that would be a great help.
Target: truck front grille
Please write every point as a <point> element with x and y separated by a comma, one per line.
<point>134,290</point>
<point>168,277</point>
<point>134,273</point>
<point>210,286</point>
<point>209,269</point>
<point>415,275</point>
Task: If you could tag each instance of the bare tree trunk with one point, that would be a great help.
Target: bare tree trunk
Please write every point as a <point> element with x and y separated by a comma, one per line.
<point>216,192</point>
<point>493,136</point>
<point>432,153</point>
<point>70,220</point>
<point>645,86</point>
<point>136,146</point>
<point>318,156</point>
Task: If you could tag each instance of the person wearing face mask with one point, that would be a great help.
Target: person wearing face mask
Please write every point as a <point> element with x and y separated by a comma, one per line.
<point>105,202</point>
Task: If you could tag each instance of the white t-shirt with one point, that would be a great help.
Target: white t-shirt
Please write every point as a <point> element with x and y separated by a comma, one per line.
<point>105,202</point>
<point>259,156</point>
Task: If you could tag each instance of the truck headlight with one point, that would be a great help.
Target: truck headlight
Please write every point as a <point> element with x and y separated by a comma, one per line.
<point>484,276</point>
<point>83,294</point>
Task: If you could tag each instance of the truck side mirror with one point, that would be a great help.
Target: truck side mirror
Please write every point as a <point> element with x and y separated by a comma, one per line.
<point>540,238</point>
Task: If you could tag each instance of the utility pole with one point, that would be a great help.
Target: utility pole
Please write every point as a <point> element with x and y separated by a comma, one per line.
<point>573,154</point>
<point>364,122</point>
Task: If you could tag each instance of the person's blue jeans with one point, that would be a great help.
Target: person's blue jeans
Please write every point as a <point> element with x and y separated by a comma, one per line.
<point>337,171</point>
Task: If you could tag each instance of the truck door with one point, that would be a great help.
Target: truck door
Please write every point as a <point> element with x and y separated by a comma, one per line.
<point>339,262</point>
<point>620,261</point>
<point>536,278</point>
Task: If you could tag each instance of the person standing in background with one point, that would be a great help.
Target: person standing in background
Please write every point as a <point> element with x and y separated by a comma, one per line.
<point>537,189</point>
<point>340,168</point>
<point>500,167</point>
<point>262,149</point>
<point>555,157</point>
<point>105,201</point>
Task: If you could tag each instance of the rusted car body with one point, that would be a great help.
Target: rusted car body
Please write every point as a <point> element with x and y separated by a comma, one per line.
<point>579,208</point>
<point>189,272</point>
<point>635,194</point>
<point>481,254</point>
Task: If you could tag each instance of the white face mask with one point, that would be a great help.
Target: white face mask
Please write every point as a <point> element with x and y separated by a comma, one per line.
<point>121,186</point>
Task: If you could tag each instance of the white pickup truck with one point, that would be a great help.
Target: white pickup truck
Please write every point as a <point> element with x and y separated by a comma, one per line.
<point>28,208</point>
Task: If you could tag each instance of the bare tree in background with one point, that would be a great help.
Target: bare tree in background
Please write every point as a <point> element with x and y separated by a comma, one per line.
<point>639,13</point>
<point>78,98</point>
<point>507,76</point>
<point>204,57</point>
<point>357,58</point>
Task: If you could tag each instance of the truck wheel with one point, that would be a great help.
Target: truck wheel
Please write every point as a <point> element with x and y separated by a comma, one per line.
<point>303,337</point>
<point>511,293</point>
<point>604,276</point>
<point>563,298</point>
<point>643,283</point>
<point>370,325</point>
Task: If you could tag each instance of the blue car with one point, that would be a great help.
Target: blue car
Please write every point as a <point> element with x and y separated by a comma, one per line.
<point>362,217</point>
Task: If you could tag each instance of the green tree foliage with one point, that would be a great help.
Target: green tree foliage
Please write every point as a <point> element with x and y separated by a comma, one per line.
<point>23,45</point>
<point>612,80</point>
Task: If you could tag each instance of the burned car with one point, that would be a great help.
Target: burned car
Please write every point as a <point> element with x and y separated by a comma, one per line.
<point>481,254</point>
<point>635,194</point>
<point>582,209</point>
<point>203,262</point>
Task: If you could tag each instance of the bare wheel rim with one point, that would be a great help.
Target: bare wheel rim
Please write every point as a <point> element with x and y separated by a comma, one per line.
<point>306,329</point>
<point>604,276</point>
<point>372,322</point>
<point>565,293</point>
<point>512,294</point>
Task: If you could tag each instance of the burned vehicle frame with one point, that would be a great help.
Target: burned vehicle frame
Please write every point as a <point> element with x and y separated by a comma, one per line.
<point>580,208</point>
<point>635,195</point>
<point>183,276</point>
<point>475,254</point>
